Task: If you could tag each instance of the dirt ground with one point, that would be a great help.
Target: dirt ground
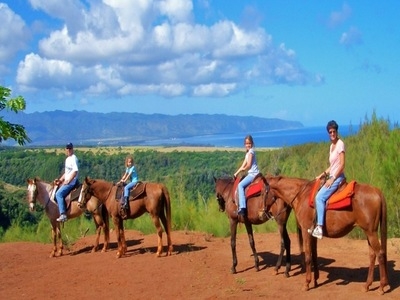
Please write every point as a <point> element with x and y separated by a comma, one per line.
<point>198,269</point>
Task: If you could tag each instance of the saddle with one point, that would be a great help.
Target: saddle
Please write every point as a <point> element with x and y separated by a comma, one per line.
<point>72,196</point>
<point>135,192</point>
<point>339,199</point>
<point>254,189</point>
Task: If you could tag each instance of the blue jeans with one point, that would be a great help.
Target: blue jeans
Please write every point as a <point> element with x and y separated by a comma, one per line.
<point>61,193</point>
<point>128,187</point>
<point>322,196</point>
<point>241,187</point>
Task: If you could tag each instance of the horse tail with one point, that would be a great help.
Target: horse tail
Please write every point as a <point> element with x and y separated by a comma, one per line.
<point>167,208</point>
<point>383,225</point>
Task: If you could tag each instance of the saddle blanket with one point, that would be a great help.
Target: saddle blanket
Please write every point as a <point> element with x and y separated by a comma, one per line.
<point>339,199</point>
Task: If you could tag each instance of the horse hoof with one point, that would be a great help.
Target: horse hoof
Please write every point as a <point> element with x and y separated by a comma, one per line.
<point>306,288</point>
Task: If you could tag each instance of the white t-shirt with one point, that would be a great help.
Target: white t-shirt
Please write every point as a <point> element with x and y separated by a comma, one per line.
<point>253,168</point>
<point>71,165</point>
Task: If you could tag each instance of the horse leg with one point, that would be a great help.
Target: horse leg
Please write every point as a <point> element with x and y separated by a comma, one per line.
<point>167,228</point>
<point>117,225</point>
<point>314,256</point>
<point>375,251</point>
<point>54,238</point>
<point>307,259</point>
<point>249,229</point>
<point>285,245</point>
<point>60,242</point>
<point>157,224</point>
<point>98,233</point>
<point>233,225</point>
<point>106,232</point>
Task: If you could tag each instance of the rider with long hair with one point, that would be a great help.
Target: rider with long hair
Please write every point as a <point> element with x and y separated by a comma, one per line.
<point>250,165</point>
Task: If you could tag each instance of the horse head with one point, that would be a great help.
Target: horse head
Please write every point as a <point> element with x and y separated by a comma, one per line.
<point>32,193</point>
<point>223,188</point>
<point>86,193</point>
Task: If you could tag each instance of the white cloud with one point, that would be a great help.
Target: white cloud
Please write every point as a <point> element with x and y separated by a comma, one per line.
<point>152,47</point>
<point>13,33</point>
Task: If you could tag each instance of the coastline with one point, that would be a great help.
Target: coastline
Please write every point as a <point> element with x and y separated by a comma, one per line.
<point>114,149</point>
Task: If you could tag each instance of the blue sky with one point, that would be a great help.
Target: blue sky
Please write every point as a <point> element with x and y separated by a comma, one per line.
<point>308,61</point>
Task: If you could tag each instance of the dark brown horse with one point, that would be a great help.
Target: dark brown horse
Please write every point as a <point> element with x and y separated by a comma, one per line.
<point>155,200</point>
<point>256,214</point>
<point>367,211</point>
<point>41,191</point>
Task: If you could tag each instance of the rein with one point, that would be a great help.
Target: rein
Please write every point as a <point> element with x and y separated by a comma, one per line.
<point>295,196</point>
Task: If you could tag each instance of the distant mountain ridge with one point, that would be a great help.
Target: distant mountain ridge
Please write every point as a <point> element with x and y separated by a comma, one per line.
<point>118,128</point>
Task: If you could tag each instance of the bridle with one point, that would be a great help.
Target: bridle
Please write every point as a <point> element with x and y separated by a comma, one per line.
<point>83,196</point>
<point>33,194</point>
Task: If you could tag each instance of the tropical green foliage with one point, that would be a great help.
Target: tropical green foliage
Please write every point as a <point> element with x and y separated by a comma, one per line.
<point>371,157</point>
<point>7,129</point>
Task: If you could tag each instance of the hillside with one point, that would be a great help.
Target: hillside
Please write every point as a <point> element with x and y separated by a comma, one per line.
<point>86,128</point>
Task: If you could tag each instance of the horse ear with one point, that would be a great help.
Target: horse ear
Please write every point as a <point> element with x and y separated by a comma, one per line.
<point>215,179</point>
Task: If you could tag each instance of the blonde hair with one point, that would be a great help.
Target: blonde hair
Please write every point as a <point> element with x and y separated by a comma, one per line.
<point>128,158</point>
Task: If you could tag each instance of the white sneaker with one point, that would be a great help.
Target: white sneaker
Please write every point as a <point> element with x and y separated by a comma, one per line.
<point>317,232</point>
<point>62,218</point>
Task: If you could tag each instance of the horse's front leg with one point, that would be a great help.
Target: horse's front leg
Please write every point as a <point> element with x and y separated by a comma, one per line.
<point>118,229</point>
<point>54,238</point>
<point>307,259</point>
<point>101,225</point>
<point>249,229</point>
<point>314,256</point>
<point>98,233</point>
<point>233,225</point>
<point>285,246</point>
<point>60,242</point>
<point>106,232</point>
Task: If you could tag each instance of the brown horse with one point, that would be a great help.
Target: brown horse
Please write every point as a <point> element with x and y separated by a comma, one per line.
<point>256,214</point>
<point>367,210</point>
<point>155,200</point>
<point>39,190</point>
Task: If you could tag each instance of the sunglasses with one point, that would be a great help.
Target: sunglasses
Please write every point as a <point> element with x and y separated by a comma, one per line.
<point>332,131</point>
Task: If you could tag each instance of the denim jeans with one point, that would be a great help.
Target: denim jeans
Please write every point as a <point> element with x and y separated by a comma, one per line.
<point>128,187</point>
<point>241,187</point>
<point>322,196</point>
<point>61,193</point>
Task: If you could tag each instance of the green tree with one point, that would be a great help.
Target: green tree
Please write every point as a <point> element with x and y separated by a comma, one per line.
<point>7,129</point>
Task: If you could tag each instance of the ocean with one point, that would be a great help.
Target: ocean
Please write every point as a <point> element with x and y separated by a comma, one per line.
<point>264,139</point>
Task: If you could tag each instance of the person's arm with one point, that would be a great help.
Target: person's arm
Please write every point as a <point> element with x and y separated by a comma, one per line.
<point>246,163</point>
<point>124,177</point>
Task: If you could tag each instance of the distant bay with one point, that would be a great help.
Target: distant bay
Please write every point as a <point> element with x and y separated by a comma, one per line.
<point>264,139</point>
